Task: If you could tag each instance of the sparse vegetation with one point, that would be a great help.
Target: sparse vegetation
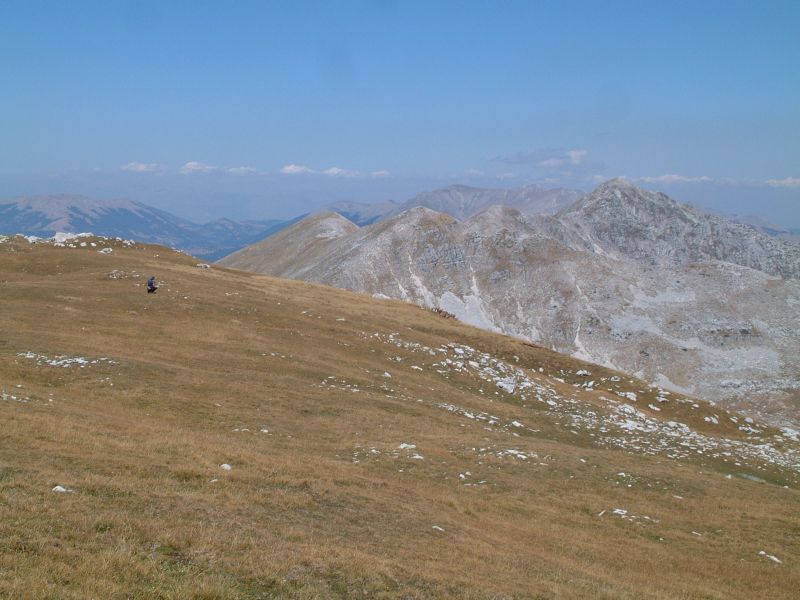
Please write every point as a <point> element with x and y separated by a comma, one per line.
<point>347,477</point>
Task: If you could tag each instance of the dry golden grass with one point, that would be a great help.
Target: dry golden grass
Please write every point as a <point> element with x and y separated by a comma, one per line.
<point>308,510</point>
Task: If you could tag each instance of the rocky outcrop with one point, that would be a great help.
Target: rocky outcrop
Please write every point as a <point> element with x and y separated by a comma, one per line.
<point>651,228</point>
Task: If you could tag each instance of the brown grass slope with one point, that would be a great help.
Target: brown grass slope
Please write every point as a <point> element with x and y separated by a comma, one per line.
<point>285,382</point>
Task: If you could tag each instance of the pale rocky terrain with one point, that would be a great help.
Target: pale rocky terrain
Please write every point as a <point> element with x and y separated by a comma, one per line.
<point>652,228</point>
<point>624,278</point>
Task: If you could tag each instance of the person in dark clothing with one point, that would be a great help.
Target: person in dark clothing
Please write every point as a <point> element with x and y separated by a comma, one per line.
<point>151,285</point>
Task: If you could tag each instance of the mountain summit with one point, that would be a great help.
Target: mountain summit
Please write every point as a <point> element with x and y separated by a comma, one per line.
<point>652,228</point>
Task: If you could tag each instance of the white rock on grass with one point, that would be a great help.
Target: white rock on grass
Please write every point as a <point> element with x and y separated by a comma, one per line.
<point>771,557</point>
<point>437,528</point>
<point>225,467</point>
<point>60,489</point>
<point>405,446</point>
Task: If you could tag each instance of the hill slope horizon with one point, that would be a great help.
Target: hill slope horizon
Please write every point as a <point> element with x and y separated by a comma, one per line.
<point>45,216</point>
<point>624,277</point>
<point>240,436</point>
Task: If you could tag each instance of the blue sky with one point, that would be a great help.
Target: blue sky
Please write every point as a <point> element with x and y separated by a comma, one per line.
<point>265,109</point>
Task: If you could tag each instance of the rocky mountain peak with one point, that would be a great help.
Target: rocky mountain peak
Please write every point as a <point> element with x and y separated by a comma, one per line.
<point>421,216</point>
<point>617,183</point>
<point>623,220</point>
<point>621,195</point>
<point>497,216</point>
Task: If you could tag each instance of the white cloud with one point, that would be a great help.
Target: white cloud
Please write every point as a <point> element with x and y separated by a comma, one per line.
<point>565,159</point>
<point>576,157</point>
<point>673,178</point>
<point>296,170</point>
<point>789,182</point>
<point>194,166</point>
<point>552,163</point>
<point>140,167</point>
<point>243,171</point>
<point>339,172</point>
<point>293,169</point>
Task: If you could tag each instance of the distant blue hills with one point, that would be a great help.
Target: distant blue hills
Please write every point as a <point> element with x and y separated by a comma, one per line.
<point>45,215</point>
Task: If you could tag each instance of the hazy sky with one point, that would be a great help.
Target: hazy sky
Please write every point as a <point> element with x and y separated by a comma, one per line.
<point>261,109</point>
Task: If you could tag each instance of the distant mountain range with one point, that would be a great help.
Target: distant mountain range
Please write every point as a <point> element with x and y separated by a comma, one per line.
<point>622,277</point>
<point>462,202</point>
<point>789,234</point>
<point>362,213</point>
<point>46,215</point>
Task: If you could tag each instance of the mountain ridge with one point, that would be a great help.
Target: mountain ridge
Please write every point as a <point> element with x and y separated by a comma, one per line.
<point>713,328</point>
<point>462,202</point>
<point>653,228</point>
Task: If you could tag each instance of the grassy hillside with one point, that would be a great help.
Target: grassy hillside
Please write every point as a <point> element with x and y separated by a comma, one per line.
<point>376,450</point>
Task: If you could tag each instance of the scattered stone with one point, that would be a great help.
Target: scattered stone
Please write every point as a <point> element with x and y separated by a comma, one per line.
<point>770,557</point>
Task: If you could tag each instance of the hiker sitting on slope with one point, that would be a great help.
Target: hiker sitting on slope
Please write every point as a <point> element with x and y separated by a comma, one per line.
<point>151,285</point>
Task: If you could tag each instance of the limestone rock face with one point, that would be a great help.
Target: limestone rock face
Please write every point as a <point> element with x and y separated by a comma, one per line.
<point>623,278</point>
<point>652,228</point>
